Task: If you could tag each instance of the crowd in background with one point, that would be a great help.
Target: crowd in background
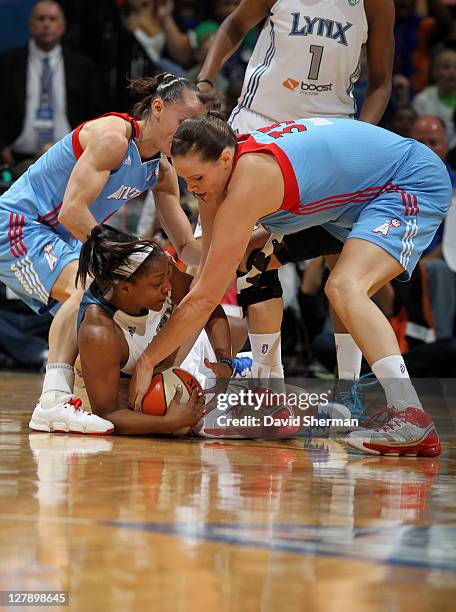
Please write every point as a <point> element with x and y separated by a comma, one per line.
<point>103,44</point>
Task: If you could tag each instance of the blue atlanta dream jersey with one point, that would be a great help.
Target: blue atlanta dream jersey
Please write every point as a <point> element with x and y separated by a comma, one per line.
<point>306,60</point>
<point>37,195</point>
<point>334,167</point>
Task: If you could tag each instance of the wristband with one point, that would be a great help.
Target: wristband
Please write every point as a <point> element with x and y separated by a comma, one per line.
<point>228,361</point>
<point>208,81</point>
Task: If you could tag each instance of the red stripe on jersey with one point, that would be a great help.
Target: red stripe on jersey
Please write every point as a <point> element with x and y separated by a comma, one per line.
<point>13,236</point>
<point>17,235</point>
<point>247,144</point>
<point>404,203</point>
<point>347,196</point>
<point>108,217</point>
<point>10,234</point>
<point>303,211</point>
<point>21,241</point>
<point>78,150</point>
<point>52,220</point>
<point>53,213</point>
<point>356,196</point>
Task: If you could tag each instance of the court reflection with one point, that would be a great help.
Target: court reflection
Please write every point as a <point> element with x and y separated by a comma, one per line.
<point>172,524</point>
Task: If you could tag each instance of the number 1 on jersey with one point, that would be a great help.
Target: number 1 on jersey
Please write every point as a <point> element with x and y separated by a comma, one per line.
<point>317,53</point>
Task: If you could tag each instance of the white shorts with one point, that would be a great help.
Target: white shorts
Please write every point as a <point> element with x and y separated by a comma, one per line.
<point>244,120</point>
<point>194,362</point>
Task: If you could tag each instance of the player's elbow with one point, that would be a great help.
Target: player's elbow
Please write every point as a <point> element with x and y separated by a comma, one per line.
<point>190,252</point>
<point>381,83</point>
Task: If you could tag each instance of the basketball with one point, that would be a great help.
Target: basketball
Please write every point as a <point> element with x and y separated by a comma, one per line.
<point>163,388</point>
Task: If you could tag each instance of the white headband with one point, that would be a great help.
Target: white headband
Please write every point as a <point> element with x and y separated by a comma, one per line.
<point>133,261</point>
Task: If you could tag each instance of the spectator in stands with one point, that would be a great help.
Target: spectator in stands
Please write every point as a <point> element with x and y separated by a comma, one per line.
<point>415,35</point>
<point>440,99</point>
<point>146,41</point>
<point>153,25</point>
<point>401,91</point>
<point>46,89</point>
<point>186,15</point>
<point>401,121</point>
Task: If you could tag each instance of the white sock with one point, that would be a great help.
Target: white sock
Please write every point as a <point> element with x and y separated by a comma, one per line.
<point>266,355</point>
<point>392,374</point>
<point>349,357</point>
<point>58,383</point>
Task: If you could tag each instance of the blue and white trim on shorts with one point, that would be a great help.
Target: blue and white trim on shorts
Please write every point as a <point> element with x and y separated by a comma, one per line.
<point>411,232</point>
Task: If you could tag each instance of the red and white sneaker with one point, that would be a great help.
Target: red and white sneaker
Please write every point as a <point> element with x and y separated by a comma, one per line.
<point>409,432</point>
<point>68,417</point>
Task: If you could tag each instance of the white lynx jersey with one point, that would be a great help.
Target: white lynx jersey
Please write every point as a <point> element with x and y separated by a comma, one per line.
<point>306,60</point>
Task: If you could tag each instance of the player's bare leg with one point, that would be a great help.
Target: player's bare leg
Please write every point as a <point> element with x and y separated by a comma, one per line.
<point>58,409</point>
<point>362,269</point>
<point>264,321</point>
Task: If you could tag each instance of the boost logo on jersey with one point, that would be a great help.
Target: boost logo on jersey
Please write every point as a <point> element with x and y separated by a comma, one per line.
<point>308,89</point>
<point>290,84</point>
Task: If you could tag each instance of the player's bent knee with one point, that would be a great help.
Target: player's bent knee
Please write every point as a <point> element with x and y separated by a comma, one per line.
<point>265,286</point>
<point>339,288</point>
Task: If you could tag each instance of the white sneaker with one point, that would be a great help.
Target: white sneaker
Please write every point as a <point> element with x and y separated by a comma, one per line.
<point>68,417</point>
<point>409,432</point>
<point>332,419</point>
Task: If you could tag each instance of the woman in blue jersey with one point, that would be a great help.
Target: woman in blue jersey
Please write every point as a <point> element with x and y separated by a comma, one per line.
<point>134,290</point>
<point>384,195</point>
<point>81,181</point>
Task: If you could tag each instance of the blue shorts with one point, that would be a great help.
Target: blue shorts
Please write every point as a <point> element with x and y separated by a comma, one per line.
<point>32,257</point>
<point>403,219</point>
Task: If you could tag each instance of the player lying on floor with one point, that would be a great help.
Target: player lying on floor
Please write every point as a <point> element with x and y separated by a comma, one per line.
<point>132,296</point>
<point>130,300</point>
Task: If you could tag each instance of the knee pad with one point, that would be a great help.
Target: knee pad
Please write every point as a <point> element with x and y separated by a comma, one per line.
<point>259,259</point>
<point>257,262</point>
<point>308,244</point>
<point>262,287</point>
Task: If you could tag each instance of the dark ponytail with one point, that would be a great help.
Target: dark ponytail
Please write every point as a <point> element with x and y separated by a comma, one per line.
<point>106,249</point>
<point>166,86</point>
<point>207,135</point>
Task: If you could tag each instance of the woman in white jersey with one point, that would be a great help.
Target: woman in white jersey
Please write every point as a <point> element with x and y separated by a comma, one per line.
<point>134,290</point>
<point>305,64</point>
<point>306,60</point>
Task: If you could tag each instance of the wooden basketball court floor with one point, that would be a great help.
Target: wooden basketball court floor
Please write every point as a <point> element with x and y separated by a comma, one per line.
<point>197,525</point>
